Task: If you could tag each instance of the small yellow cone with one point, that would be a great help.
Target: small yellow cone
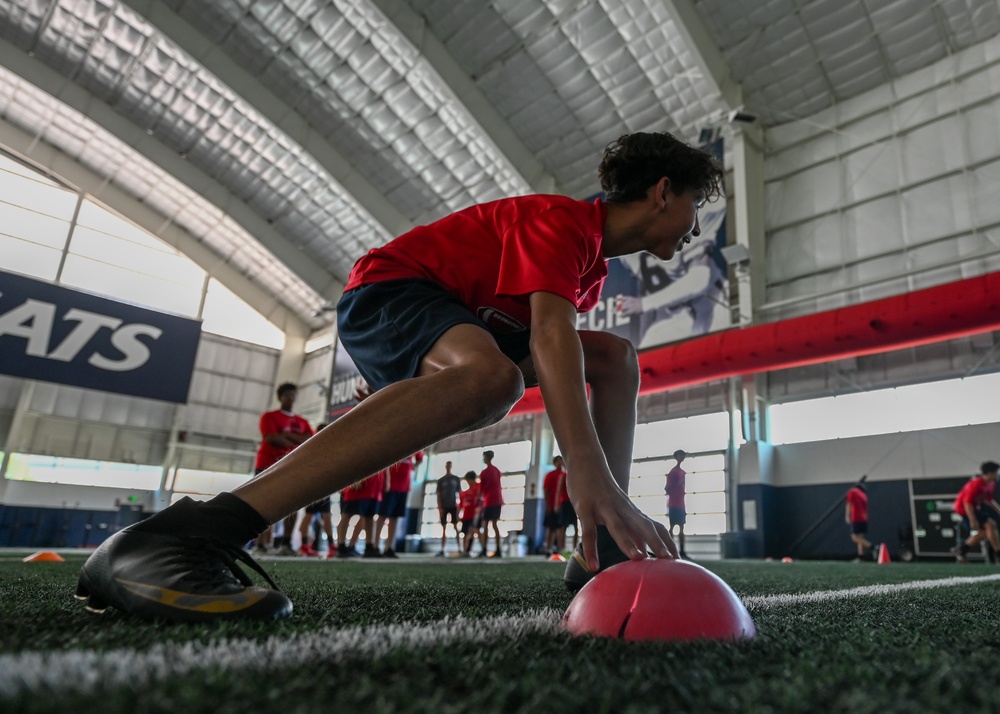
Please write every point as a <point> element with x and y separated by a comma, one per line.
<point>44,556</point>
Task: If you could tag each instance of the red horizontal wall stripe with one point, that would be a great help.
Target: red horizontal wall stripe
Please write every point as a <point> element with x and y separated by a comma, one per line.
<point>943,312</point>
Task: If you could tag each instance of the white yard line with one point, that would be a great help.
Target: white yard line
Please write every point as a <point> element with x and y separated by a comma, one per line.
<point>86,671</point>
<point>767,602</point>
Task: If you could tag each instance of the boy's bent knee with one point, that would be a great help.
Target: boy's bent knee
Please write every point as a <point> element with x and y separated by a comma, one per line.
<point>492,391</point>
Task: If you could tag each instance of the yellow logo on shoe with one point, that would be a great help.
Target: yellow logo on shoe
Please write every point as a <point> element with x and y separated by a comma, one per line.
<point>217,604</point>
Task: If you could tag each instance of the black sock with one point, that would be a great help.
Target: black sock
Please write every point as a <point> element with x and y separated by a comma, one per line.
<point>232,518</point>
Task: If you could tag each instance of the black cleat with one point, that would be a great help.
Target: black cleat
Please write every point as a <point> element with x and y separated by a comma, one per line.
<point>151,571</point>
<point>577,574</point>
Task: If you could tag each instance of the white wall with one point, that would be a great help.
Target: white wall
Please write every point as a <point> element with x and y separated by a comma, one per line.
<point>955,451</point>
<point>53,495</point>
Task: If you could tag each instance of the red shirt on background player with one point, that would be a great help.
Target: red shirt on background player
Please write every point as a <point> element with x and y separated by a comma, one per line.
<point>675,490</point>
<point>489,484</point>
<point>393,506</point>
<point>857,505</point>
<point>471,500</point>
<point>979,511</point>
<point>550,489</point>
<point>281,431</point>
<point>857,519</point>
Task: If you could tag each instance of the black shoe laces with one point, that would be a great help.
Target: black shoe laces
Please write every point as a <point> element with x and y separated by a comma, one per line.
<point>211,563</point>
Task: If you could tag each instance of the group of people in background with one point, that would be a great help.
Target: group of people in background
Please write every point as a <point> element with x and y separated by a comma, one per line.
<point>472,512</point>
<point>379,502</point>
<point>975,507</point>
<point>376,504</point>
<point>976,504</point>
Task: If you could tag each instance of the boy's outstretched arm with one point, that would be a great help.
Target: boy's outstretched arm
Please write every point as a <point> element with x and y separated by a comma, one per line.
<point>558,357</point>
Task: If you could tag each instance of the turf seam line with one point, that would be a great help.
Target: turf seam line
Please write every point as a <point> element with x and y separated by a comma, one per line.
<point>89,671</point>
<point>768,602</point>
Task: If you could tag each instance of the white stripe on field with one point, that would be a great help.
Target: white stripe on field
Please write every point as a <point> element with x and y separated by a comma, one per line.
<point>766,602</point>
<point>86,671</point>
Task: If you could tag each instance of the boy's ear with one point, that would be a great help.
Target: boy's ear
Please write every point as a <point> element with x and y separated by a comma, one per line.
<point>662,189</point>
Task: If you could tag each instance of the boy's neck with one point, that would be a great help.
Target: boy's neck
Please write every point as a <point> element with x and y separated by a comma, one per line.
<point>623,227</point>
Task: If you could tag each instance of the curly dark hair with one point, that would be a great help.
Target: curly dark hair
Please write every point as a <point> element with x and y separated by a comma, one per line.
<point>634,162</point>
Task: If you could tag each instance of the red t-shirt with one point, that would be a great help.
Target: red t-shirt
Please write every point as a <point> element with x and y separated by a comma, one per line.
<point>857,503</point>
<point>675,487</point>
<point>469,499</point>
<point>972,493</point>
<point>550,484</point>
<point>494,255</point>
<point>562,491</point>
<point>489,484</point>
<point>400,474</point>
<point>368,488</point>
<point>278,422</point>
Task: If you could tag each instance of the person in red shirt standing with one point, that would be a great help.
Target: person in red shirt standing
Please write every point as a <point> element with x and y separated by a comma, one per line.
<point>472,511</point>
<point>360,499</point>
<point>676,510</point>
<point>567,514</point>
<point>550,486</point>
<point>281,431</point>
<point>489,484</point>
<point>856,515</point>
<point>393,505</point>
<point>978,510</point>
<point>448,324</point>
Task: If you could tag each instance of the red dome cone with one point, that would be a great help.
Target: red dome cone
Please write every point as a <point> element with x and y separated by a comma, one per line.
<point>658,599</point>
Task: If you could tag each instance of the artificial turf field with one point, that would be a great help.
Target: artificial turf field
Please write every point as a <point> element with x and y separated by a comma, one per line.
<point>433,635</point>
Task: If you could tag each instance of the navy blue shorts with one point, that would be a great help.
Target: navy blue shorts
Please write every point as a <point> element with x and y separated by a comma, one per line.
<point>364,507</point>
<point>567,514</point>
<point>491,513</point>
<point>552,520</point>
<point>393,504</point>
<point>388,327</point>
<point>859,527</point>
<point>449,513</point>
<point>320,506</point>
<point>983,514</point>
<point>677,516</point>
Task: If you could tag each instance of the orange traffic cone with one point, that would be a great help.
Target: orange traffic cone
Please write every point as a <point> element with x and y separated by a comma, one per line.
<point>883,555</point>
<point>557,558</point>
<point>44,556</point>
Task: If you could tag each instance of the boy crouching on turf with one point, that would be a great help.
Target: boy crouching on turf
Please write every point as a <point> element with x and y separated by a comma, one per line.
<point>452,320</point>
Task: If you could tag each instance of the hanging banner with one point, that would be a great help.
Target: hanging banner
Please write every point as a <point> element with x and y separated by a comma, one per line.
<point>56,334</point>
<point>346,381</point>
<point>651,303</point>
